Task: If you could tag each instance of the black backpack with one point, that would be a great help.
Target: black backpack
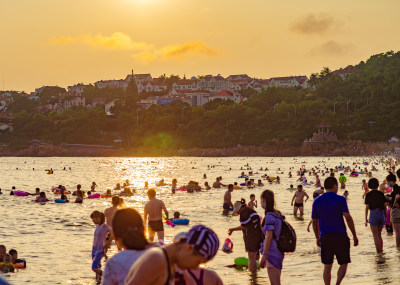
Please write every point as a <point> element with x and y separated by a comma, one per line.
<point>287,238</point>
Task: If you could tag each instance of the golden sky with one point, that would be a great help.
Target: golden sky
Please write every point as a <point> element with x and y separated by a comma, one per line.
<point>59,42</point>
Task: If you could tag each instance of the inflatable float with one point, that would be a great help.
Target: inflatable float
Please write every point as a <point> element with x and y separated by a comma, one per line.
<point>20,193</point>
<point>180,221</point>
<point>243,261</point>
<point>95,196</point>
<point>60,201</point>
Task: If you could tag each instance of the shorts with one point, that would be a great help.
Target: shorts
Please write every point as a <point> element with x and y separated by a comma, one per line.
<point>377,217</point>
<point>156,226</point>
<point>298,205</point>
<point>226,206</point>
<point>97,260</point>
<point>335,244</point>
<point>252,243</point>
<point>395,216</point>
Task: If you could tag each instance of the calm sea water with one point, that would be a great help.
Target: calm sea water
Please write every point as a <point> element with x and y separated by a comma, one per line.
<point>55,239</point>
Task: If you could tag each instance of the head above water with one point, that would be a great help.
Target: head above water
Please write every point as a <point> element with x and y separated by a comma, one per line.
<point>128,230</point>
<point>115,201</point>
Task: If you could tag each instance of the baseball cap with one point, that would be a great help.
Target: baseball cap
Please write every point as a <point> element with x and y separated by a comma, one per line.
<point>238,205</point>
<point>204,240</point>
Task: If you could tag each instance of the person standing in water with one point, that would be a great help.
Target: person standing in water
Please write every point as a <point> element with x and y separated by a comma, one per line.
<point>109,212</point>
<point>250,225</point>
<point>298,199</point>
<point>375,201</point>
<point>330,231</point>
<point>154,209</point>
<point>228,199</point>
<point>395,206</point>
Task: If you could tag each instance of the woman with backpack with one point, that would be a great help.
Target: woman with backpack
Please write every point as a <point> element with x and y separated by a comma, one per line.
<point>272,257</point>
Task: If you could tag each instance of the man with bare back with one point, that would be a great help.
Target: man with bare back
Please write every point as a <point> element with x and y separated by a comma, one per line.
<point>298,199</point>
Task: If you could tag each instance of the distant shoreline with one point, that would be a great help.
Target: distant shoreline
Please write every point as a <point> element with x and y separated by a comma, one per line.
<point>279,149</point>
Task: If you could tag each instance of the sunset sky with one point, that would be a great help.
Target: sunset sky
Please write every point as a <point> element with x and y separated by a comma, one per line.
<point>57,42</point>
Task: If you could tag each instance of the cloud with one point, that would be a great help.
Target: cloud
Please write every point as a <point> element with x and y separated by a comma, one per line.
<point>191,47</point>
<point>143,52</point>
<point>331,48</point>
<point>117,41</point>
<point>313,24</point>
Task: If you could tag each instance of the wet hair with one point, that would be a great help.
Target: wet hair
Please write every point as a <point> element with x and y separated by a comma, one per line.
<point>42,194</point>
<point>252,195</point>
<point>177,215</point>
<point>12,252</point>
<point>330,182</point>
<point>269,197</point>
<point>151,193</point>
<point>97,214</point>
<point>373,183</point>
<point>127,225</point>
<point>230,187</point>
<point>115,201</point>
<point>391,177</point>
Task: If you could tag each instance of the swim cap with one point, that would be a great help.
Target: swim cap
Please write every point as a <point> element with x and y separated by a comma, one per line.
<point>204,240</point>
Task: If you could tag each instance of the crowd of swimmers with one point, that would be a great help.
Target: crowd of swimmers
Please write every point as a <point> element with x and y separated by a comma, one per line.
<point>8,261</point>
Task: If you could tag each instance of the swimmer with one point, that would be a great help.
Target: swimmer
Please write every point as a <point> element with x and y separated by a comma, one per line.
<point>93,187</point>
<point>153,209</point>
<point>253,202</point>
<point>236,186</point>
<point>173,187</point>
<point>298,199</point>
<point>3,251</point>
<point>7,265</point>
<point>207,186</point>
<point>64,198</point>
<point>42,198</point>
<point>110,212</point>
<point>228,199</point>
<point>259,183</point>
<point>177,215</point>
<point>79,197</point>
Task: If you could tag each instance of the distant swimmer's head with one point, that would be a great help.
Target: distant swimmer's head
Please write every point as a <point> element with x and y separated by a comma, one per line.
<point>78,186</point>
<point>108,191</point>
<point>89,193</point>
<point>177,215</point>
<point>235,183</point>
<point>151,193</point>
<point>128,229</point>
<point>13,188</point>
<point>115,201</point>
<point>42,195</point>
<point>37,190</point>
<point>174,181</point>
<point>291,185</point>
<point>98,217</point>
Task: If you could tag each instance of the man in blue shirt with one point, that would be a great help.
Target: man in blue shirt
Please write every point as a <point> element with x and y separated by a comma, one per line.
<point>330,230</point>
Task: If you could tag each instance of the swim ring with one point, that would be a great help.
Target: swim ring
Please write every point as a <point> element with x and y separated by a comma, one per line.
<point>95,196</point>
<point>60,201</point>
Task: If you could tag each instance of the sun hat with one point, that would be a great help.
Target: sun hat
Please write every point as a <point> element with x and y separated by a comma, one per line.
<point>204,240</point>
<point>238,205</point>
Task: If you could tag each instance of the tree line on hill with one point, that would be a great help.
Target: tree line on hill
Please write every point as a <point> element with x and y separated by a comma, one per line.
<point>362,107</point>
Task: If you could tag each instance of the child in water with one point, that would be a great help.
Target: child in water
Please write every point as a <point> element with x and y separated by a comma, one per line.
<point>42,198</point>
<point>101,240</point>
<point>364,187</point>
<point>79,197</point>
<point>14,257</point>
<point>7,265</point>
<point>207,186</point>
<point>253,202</point>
